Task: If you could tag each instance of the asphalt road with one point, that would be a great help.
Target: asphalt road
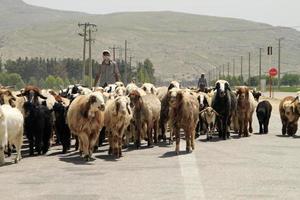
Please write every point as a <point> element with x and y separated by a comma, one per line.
<point>257,167</point>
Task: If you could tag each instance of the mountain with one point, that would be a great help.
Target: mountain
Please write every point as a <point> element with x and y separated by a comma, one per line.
<point>180,45</point>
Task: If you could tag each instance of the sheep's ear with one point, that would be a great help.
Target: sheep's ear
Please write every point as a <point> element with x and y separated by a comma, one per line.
<point>296,98</point>
<point>41,96</point>
<point>128,109</point>
<point>216,112</point>
<point>117,107</point>
<point>152,90</point>
<point>92,99</point>
<point>21,95</point>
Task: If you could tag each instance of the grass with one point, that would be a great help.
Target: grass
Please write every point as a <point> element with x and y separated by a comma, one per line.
<point>287,89</point>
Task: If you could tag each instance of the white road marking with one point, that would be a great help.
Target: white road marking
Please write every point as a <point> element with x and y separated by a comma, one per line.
<point>193,187</point>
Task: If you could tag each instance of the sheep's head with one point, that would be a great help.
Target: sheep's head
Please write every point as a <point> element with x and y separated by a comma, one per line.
<point>120,91</point>
<point>135,99</point>
<point>174,84</point>
<point>6,97</point>
<point>202,99</point>
<point>94,104</point>
<point>175,96</point>
<point>122,104</point>
<point>32,93</point>
<point>149,88</point>
<point>222,87</point>
<point>243,93</point>
<point>289,110</point>
<point>119,84</point>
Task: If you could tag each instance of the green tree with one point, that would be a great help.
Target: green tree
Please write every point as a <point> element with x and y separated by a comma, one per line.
<point>50,82</point>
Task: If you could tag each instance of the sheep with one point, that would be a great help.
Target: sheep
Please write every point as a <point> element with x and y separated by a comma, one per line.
<point>61,127</point>
<point>174,84</point>
<point>246,105</point>
<point>146,114</point>
<point>119,84</point>
<point>130,87</point>
<point>263,113</point>
<point>224,102</point>
<point>120,91</point>
<point>184,113</point>
<point>11,130</point>
<point>289,115</point>
<point>117,118</point>
<point>149,88</point>
<point>85,118</point>
<point>209,115</point>
<point>203,100</point>
<point>38,121</point>
<point>161,92</point>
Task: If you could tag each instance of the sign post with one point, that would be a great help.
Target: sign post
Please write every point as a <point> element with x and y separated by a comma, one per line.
<point>272,73</point>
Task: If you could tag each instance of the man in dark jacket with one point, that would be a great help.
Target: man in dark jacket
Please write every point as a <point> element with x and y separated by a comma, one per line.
<point>108,72</point>
<point>202,83</point>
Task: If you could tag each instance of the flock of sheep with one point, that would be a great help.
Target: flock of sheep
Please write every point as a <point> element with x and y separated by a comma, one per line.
<point>131,114</point>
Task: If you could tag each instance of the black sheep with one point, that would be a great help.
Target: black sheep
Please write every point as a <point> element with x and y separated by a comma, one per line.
<point>61,128</point>
<point>38,125</point>
<point>224,102</point>
<point>263,113</point>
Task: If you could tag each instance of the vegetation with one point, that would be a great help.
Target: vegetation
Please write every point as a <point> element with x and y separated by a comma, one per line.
<point>57,73</point>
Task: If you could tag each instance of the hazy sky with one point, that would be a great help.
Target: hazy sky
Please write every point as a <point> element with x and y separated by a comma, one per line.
<point>275,12</point>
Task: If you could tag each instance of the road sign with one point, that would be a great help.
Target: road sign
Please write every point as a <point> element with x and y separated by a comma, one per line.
<point>273,71</point>
<point>270,50</point>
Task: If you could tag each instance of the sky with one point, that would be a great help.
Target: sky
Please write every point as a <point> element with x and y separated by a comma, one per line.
<point>274,12</point>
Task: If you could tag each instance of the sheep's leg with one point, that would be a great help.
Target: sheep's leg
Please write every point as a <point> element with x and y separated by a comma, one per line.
<point>261,128</point>
<point>76,142</point>
<point>177,136</point>
<point>84,143</point>
<point>250,123</point>
<point>150,138</point>
<point>155,132</point>
<point>246,127</point>
<point>284,127</point>
<point>188,140</point>
<point>92,142</point>
<point>192,138</point>
<point>110,142</point>
<point>18,145</point>
<point>2,154</point>
<point>266,126</point>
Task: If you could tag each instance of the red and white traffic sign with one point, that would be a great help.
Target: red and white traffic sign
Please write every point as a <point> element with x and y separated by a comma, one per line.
<point>273,71</point>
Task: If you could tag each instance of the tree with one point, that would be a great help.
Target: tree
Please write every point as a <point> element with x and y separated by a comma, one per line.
<point>50,82</point>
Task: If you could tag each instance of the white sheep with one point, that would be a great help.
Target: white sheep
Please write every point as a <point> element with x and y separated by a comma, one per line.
<point>149,88</point>
<point>11,130</point>
<point>117,117</point>
<point>209,116</point>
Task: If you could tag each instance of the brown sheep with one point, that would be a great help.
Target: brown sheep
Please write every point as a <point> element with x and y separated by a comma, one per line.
<point>289,115</point>
<point>117,118</point>
<point>184,113</point>
<point>85,118</point>
<point>146,114</point>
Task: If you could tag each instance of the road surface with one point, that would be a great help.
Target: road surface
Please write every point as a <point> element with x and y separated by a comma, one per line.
<point>257,167</point>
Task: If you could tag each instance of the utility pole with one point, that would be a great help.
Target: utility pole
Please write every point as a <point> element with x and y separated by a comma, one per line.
<point>90,58</point>
<point>279,61</point>
<point>223,66</point>
<point>125,78</point>
<point>84,47</point>
<point>259,70</point>
<point>241,68</point>
<point>130,67</point>
<point>228,64</point>
<point>233,67</point>
<point>249,73</point>
<point>91,28</point>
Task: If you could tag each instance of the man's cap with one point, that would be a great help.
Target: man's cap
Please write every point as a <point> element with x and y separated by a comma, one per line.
<point>106,53</point>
